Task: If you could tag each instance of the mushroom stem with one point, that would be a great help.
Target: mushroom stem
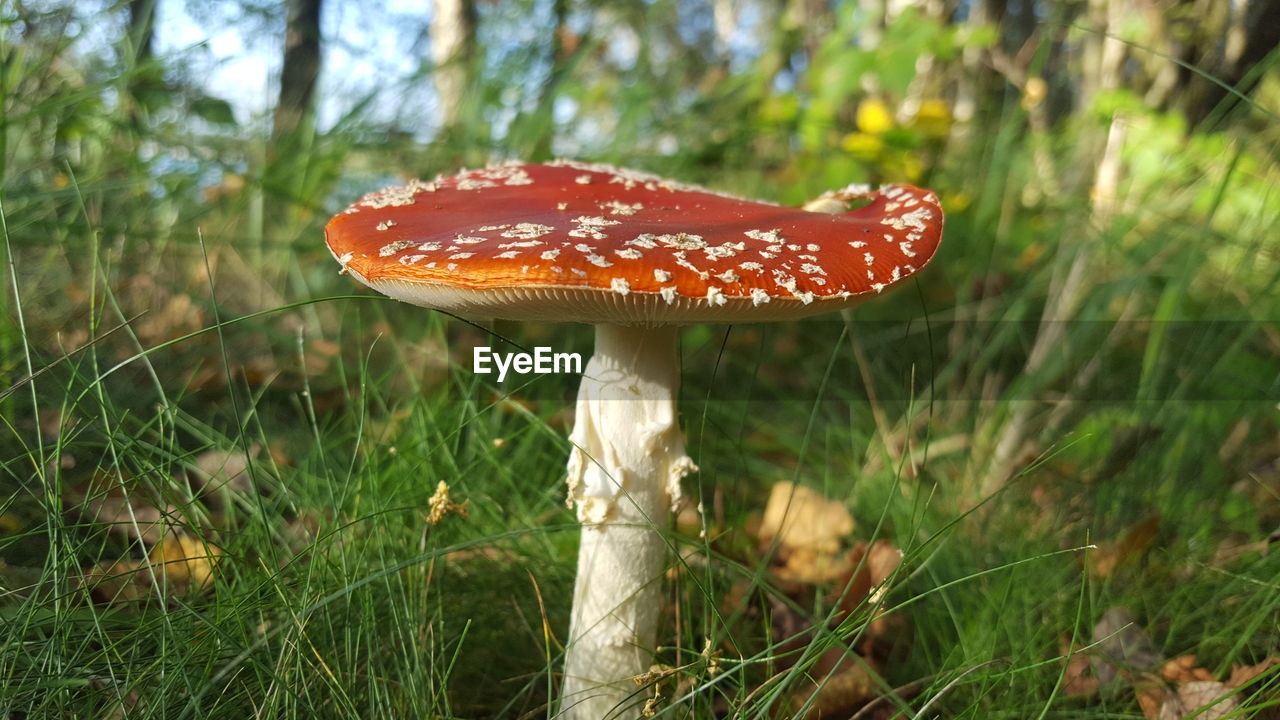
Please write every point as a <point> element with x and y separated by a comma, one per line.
<point>624,476</point>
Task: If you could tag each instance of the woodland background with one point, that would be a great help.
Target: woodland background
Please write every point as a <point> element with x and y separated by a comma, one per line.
<point>217,455</point>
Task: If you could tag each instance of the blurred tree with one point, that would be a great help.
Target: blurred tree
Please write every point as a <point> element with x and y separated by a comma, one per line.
<point>1244,34</point>
<point>564,45</point>
<point>143,77</point>
<point>301,65</point>
<point>286,163</point>
<point>453,50</point>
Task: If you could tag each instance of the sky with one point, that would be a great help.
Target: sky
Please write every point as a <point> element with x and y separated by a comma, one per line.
<point>239,58</point>
<point>380,49</point>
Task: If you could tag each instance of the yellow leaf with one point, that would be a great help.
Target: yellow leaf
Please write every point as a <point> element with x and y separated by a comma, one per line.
<point>184,559</point>
<point>802,518</point>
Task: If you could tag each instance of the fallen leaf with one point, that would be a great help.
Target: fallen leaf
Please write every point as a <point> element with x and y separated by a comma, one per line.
<point>125,510</point>
<point>17,581</point>
<point>1184,690</point>
<point>1182,669</point>
<point>802,518</point>
<point>184,561</point>
<point>853,587</point>
<point>319,356</point>
<point>1111,556</point>
<point>55,422</point>
<point>1244,674</point>
<point>883,560</point>
<point>851,687</point>
<point>1151,695</point>
<point>123,580</point>
<point>809,566</point>
<point>1206,699</point>
<point>216,471</point>
<point>1078,679</point>
<point>168,316</point>
<point>806,531</point>
<point>10,522</point>
<point>885,633</point>
<point>1124,649</point>
<point>120,708</point>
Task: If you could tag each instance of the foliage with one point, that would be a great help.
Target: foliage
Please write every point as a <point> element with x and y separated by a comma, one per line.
<point>218,465</point>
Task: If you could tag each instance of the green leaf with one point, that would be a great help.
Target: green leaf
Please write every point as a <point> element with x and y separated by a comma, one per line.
<point>213,110</point>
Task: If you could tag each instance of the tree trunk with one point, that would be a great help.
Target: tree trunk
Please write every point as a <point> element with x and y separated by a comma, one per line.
<point>563,46</point>
<point>301,67</point>
<point>1251,32</point>
<point>973,83</point>
<point>453,40</point>
<point>142,32</point>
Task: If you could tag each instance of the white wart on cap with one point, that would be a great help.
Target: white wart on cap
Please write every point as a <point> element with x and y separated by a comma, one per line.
<point>570,241</point>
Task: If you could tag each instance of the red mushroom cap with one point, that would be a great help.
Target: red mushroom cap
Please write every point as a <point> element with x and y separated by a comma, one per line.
<point>598,244</point>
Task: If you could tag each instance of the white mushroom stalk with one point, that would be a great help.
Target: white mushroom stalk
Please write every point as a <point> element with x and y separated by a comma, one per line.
<point>624,476</point>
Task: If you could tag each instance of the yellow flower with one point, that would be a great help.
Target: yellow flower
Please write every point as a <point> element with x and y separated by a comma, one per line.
<point>873,117</point>
<point>441,504</point>
<point>862,145</point>
<point>933,119</point>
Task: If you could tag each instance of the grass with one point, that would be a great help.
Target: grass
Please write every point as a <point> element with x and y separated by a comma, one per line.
<point>991,421</point>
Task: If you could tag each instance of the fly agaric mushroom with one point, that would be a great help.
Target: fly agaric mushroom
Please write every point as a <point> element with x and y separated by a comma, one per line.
<point>635,255</point>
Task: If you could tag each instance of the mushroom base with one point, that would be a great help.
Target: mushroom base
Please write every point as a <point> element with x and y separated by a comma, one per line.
<point>624,476</point>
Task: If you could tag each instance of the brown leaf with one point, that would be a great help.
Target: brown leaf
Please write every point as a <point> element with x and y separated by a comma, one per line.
<point>1123,647</point>
<point>169,316</point>
<point>883,560</point>
<point>1110,556</point>
<point>10,522</point>
<point>853,686</point>
<point>1151,695</point>
<point>55,421</point>
<point>218,469</point>
<point>1195,692</point>
<point>1206,699</point>
<point>123,580</point>
<point>809,566</point>
<point>126,510</point>
<point>1078,679</point>
<point>853,587</point>
<point>1245,674</point>
<point>120,708</point>
<point>1182,669</point>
